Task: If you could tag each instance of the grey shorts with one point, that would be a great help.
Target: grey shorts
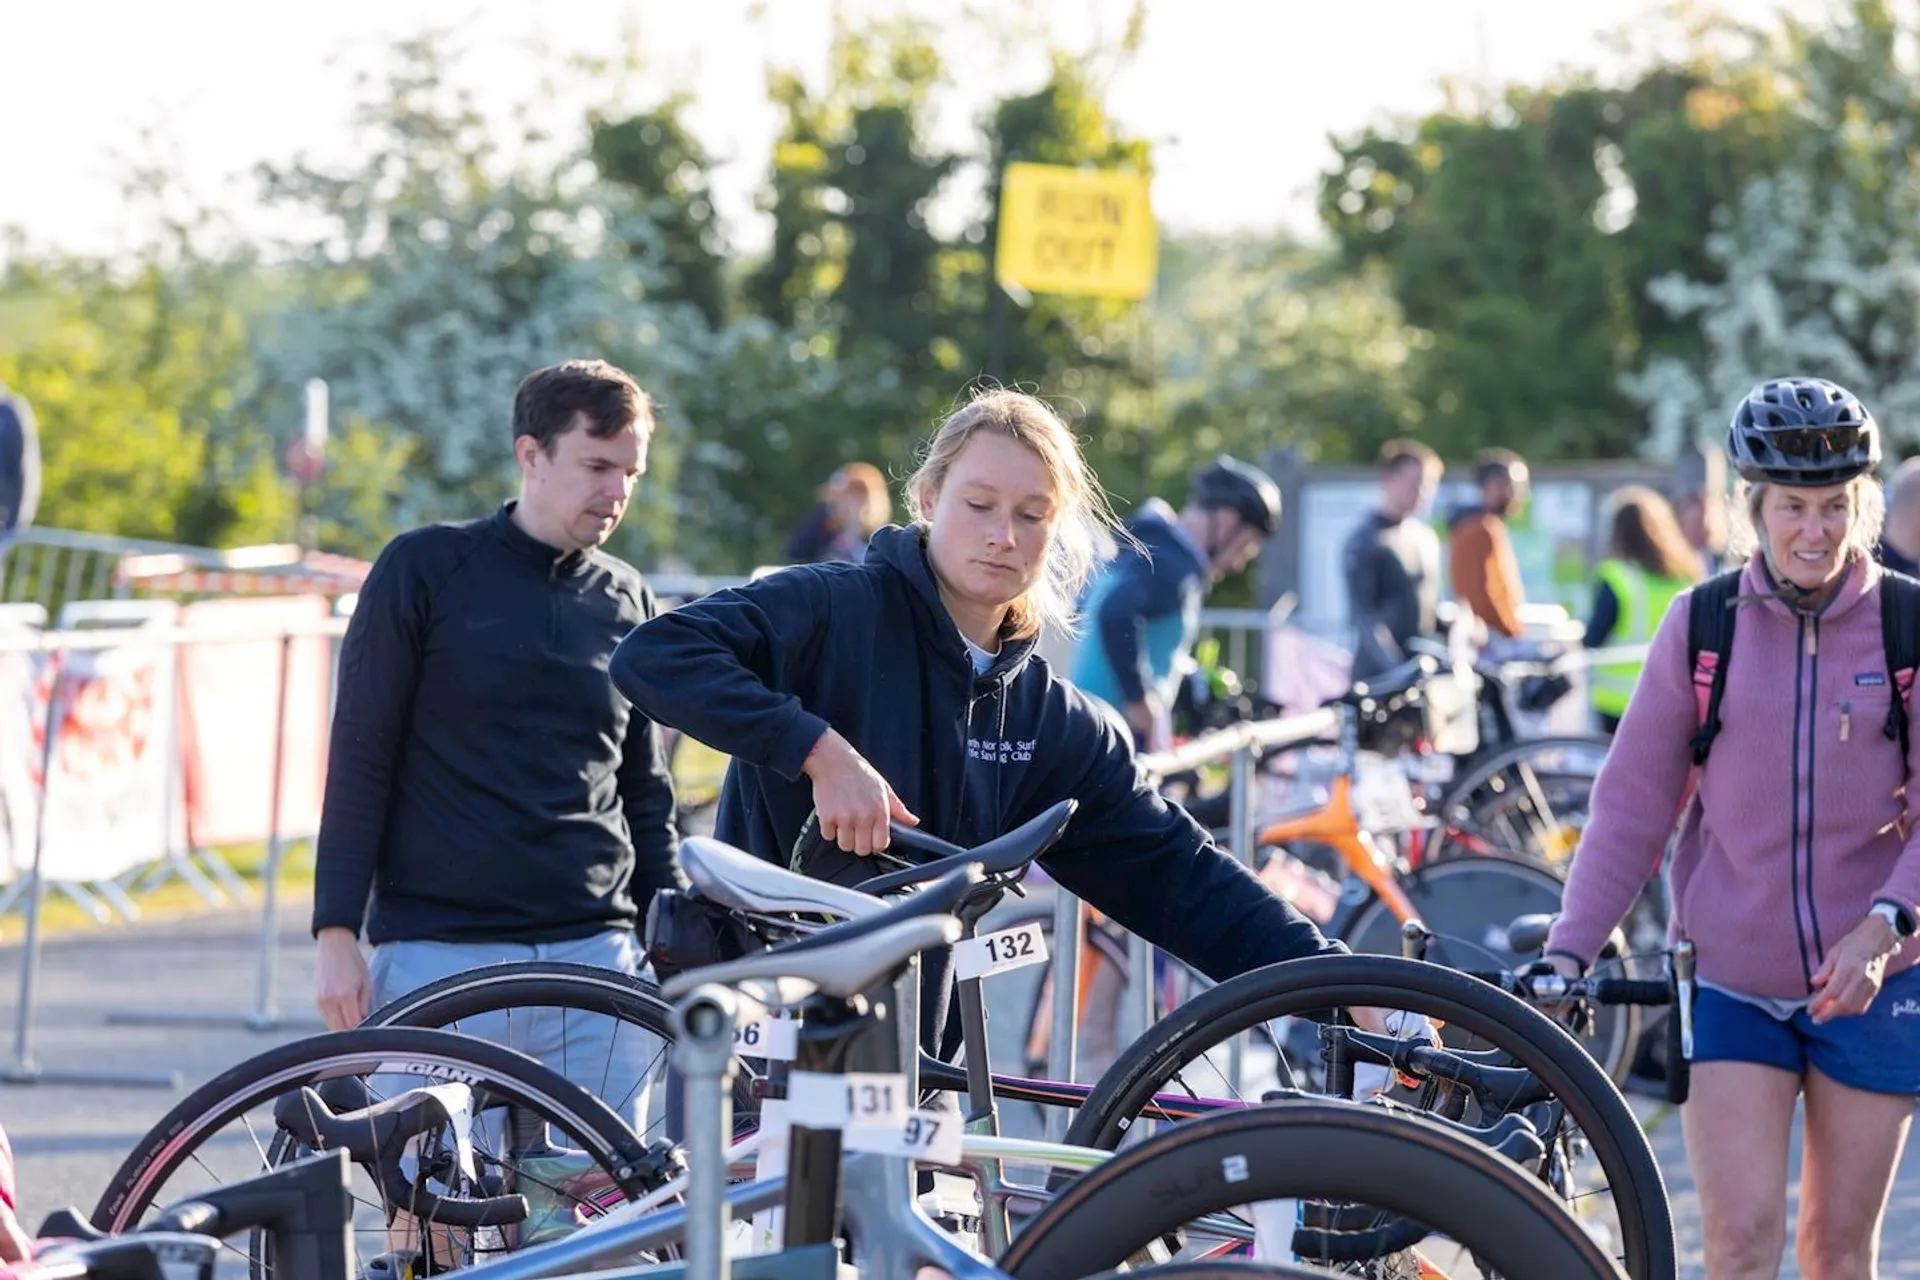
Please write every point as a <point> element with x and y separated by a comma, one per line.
<point>611,1059</point>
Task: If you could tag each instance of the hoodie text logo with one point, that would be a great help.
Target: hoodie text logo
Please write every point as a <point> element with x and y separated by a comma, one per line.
<point>1000,752</point>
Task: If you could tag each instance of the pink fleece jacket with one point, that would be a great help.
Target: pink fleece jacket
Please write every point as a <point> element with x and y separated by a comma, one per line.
<point>1805,812</point>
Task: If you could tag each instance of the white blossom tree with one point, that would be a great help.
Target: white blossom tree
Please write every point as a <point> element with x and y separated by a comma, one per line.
<point>1821,259</point>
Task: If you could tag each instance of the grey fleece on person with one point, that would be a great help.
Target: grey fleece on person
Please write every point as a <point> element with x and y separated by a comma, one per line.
<point>1392,569</point>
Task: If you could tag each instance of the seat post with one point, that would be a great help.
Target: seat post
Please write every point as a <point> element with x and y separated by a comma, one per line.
<point>828,1029</point>
<point>982,1108</point>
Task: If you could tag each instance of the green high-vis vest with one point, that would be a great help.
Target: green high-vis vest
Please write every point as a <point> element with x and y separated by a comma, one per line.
<point>1644,598</point>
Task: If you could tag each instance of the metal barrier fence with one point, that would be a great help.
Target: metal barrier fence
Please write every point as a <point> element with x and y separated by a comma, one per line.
<point>24,1069</point>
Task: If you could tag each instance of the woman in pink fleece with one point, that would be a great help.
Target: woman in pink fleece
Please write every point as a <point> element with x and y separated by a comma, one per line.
<point>1796,870</point>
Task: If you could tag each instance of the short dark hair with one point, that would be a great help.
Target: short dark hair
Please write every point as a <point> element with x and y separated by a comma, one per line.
<point>1492,464</point>
<point>549,399</point>
<point>1401,453</point>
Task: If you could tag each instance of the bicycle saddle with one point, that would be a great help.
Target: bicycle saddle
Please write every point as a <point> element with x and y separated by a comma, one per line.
<point>739,881</point>
<point>999,856</point>
<point>1395,682</point>
<point>848,959</point>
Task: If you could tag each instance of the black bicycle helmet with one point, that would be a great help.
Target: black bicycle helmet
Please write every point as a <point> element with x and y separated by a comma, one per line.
<point>1230,483</point>
<point>1802,431</point>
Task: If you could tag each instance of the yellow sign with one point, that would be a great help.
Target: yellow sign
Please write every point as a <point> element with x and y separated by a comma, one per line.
<point>1065,230</point>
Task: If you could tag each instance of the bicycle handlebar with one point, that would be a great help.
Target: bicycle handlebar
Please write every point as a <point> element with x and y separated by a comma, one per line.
<point>305,1207</point>
<point>376,1137</point>
<point>1551,988</point>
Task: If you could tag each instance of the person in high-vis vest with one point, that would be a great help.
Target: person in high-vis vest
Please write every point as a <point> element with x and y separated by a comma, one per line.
<point>1648,564</point>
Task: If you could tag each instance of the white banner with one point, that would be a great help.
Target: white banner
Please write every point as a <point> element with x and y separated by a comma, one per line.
<point>19,761</point>
<point>113,795</point>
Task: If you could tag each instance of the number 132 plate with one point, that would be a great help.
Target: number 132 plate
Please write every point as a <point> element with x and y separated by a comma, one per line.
<point>1001,952</point>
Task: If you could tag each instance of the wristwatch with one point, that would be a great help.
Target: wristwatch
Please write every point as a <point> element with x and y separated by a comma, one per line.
<point>1897,917</point>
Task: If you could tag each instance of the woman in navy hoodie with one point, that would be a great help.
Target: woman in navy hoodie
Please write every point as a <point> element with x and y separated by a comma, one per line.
<point>907,688</point>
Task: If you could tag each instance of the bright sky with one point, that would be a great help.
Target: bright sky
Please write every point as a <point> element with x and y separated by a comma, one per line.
<point>1242,93</point>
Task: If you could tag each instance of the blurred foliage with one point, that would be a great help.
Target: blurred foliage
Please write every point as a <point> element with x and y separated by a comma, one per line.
<point>135,372</point>
<point>1550,268</point>
<point>1522,235</point>
<point>1816,266</point>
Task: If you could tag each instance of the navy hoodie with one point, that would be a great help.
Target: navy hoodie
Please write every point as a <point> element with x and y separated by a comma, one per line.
<point>759,672</point>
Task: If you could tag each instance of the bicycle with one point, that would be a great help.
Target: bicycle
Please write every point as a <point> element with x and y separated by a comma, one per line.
<point>1114,1212</point>
<point>1591,1103</point>
<point>854,981</point>
<point>1369,829</point>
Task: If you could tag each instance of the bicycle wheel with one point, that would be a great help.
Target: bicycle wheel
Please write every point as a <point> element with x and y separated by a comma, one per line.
<point>1105,969</point>
<point>1404,1164</point>
<point>489,998</point>
<point>1528,800</point>
<point>599,1144</point>
<point>1465,1006</point>
<point>1468,903</point>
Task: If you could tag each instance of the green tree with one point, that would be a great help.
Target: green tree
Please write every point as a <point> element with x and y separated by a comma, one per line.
<point>441,275</point>
<point>654,154</point>
<point>1815,268</point>
<point>1522,237</point>
<point>1263,344</point>
<point>135,372</point>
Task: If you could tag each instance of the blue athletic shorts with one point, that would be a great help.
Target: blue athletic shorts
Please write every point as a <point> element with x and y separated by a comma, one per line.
<point>1877,1051</point>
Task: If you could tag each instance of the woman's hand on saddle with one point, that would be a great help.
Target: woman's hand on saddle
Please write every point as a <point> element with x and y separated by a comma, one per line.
<point>1850,977</point>
<point>853,801</point>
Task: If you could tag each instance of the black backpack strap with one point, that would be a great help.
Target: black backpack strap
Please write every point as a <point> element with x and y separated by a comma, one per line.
<point>1900,634</point>
<point>1710,618</point>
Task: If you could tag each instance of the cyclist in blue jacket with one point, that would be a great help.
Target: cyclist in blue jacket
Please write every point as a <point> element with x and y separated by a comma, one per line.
<point>1144,606</point>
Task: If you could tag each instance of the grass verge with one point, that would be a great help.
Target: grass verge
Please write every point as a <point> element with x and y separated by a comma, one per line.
<point>171,897</point>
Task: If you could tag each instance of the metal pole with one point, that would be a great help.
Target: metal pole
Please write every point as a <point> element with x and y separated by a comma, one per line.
<point>1240,819</point>
<point>24,1070</point>
<point>1069,935</point>
<point>36,884</point>
<point>703,1022</point>
<point>1140,961</point>
<point>266,1013</point>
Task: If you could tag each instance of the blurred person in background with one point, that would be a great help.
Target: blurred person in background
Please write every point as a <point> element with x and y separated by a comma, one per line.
<point>1143,609</point>
<point>1392,561</point>
<point>1648,563</point>
<point>854,505</point>
<point>1480,560</point>
<point>1701,516</point>
<point>1899,545</point>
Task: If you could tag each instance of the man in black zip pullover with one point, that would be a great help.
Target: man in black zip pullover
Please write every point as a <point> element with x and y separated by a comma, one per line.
<point>490,796</point>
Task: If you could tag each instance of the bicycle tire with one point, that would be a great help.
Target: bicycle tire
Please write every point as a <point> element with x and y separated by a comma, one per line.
<point>1322,982</point>
<point>534,984</point>
<point>1477,897</point>
<point>518,1079</point>
<point>1462,795</point>
<point>1038,1025</point>
<point>1483,768</point>
<point>1286,1150</point>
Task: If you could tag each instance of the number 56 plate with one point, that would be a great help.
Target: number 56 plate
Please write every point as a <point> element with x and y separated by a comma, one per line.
<point>1001,952</point>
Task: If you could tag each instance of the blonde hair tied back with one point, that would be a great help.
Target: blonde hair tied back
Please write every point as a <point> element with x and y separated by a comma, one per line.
<point>1084,520</point>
